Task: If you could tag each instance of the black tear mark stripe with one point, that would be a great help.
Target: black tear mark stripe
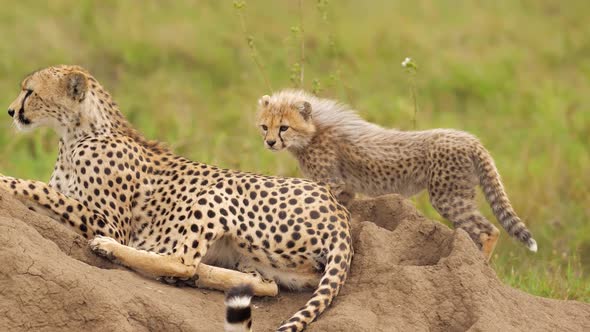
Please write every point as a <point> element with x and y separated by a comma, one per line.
<point>22,106</point>
<point>281,137</point>
<point>21,115</point>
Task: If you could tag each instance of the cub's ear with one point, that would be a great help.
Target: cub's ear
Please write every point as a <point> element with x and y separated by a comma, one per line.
<point>76,85</point>
<point>305,110</point>
<point>264,101</point>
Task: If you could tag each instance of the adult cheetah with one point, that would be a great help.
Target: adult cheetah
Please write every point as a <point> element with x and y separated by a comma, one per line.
<point>333,144</point>
<point>165,216</point>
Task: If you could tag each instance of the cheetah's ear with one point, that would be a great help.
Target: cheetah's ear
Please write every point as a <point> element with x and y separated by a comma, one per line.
<point>264,101</point>
<point>76,85</point>
<point>305,110</point>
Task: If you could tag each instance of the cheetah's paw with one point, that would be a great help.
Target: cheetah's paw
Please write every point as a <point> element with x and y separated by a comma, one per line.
<point>180,282</point>
<point>103,246</point>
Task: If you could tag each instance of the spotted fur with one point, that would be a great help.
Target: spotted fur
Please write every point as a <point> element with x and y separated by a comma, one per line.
<point>333,144</point>
<point>161,214</point>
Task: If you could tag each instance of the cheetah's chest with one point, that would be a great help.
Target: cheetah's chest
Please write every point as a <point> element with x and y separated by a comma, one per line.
<point>65,182</point>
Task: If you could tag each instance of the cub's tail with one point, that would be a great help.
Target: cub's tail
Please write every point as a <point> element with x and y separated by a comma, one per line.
<point>489,179</point>
<point>238,313</point>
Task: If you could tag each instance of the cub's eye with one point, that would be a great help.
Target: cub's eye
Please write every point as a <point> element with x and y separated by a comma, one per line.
<point>284,128</point>
<point>264,127</point>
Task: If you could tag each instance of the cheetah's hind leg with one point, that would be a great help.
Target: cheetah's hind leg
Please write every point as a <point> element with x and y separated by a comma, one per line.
<point>246,268</point>
<point>270,288</point>
<point>214,277</point>
<point>223,279</point>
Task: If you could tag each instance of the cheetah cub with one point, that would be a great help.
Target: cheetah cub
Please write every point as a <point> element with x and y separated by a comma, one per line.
<point>334,144</point>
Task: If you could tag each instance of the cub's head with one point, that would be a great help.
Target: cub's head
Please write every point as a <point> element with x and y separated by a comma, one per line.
<point>51,97</point>
<point>285,120</point>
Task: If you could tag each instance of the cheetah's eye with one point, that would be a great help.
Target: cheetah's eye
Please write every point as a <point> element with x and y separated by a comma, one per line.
<point>284,128</point>
<point>264,127</point>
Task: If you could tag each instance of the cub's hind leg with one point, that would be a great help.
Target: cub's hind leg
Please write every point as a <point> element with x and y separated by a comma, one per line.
<point>456,202</point>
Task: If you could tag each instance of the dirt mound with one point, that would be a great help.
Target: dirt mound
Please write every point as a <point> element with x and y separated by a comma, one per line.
<point>408,274</point>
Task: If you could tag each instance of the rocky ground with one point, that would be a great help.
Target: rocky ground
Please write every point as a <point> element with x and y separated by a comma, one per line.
<point>408,274</point>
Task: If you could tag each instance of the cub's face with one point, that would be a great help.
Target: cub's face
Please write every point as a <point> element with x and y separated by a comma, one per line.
<point>49,97</point>
<point>284,124</point>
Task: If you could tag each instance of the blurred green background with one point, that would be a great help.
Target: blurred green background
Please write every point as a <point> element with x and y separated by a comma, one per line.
<point>515,73</point>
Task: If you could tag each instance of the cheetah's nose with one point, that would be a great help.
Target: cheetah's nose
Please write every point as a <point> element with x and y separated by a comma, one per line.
<point>271,143</point>
<point>11,112</point>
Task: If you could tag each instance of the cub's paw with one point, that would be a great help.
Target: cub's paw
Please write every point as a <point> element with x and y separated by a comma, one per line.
<point>336,186</point>
<point>103,246</point>
<point>340,191</point>
<point>345,198</point>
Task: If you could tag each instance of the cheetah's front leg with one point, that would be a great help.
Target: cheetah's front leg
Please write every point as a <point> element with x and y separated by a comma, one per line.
<point>40,197</point>
<point>158,265</point>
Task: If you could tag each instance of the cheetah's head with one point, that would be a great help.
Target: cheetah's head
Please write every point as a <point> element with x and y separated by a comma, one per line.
<point>285,120</point>
<point>52,97</point>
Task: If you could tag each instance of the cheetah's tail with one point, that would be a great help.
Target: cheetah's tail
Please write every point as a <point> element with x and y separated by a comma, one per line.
<point>238,314</point>
<point>335,273</point>
<point>490,181</point>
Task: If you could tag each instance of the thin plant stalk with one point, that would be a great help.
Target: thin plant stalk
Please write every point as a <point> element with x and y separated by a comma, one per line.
<point>239,5</point>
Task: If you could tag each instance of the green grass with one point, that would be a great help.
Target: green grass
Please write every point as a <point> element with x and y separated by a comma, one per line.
<point>515,73</point>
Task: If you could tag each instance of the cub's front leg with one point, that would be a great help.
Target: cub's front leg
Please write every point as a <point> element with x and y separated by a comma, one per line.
<point>338,188</point>
<point>322,166</point>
